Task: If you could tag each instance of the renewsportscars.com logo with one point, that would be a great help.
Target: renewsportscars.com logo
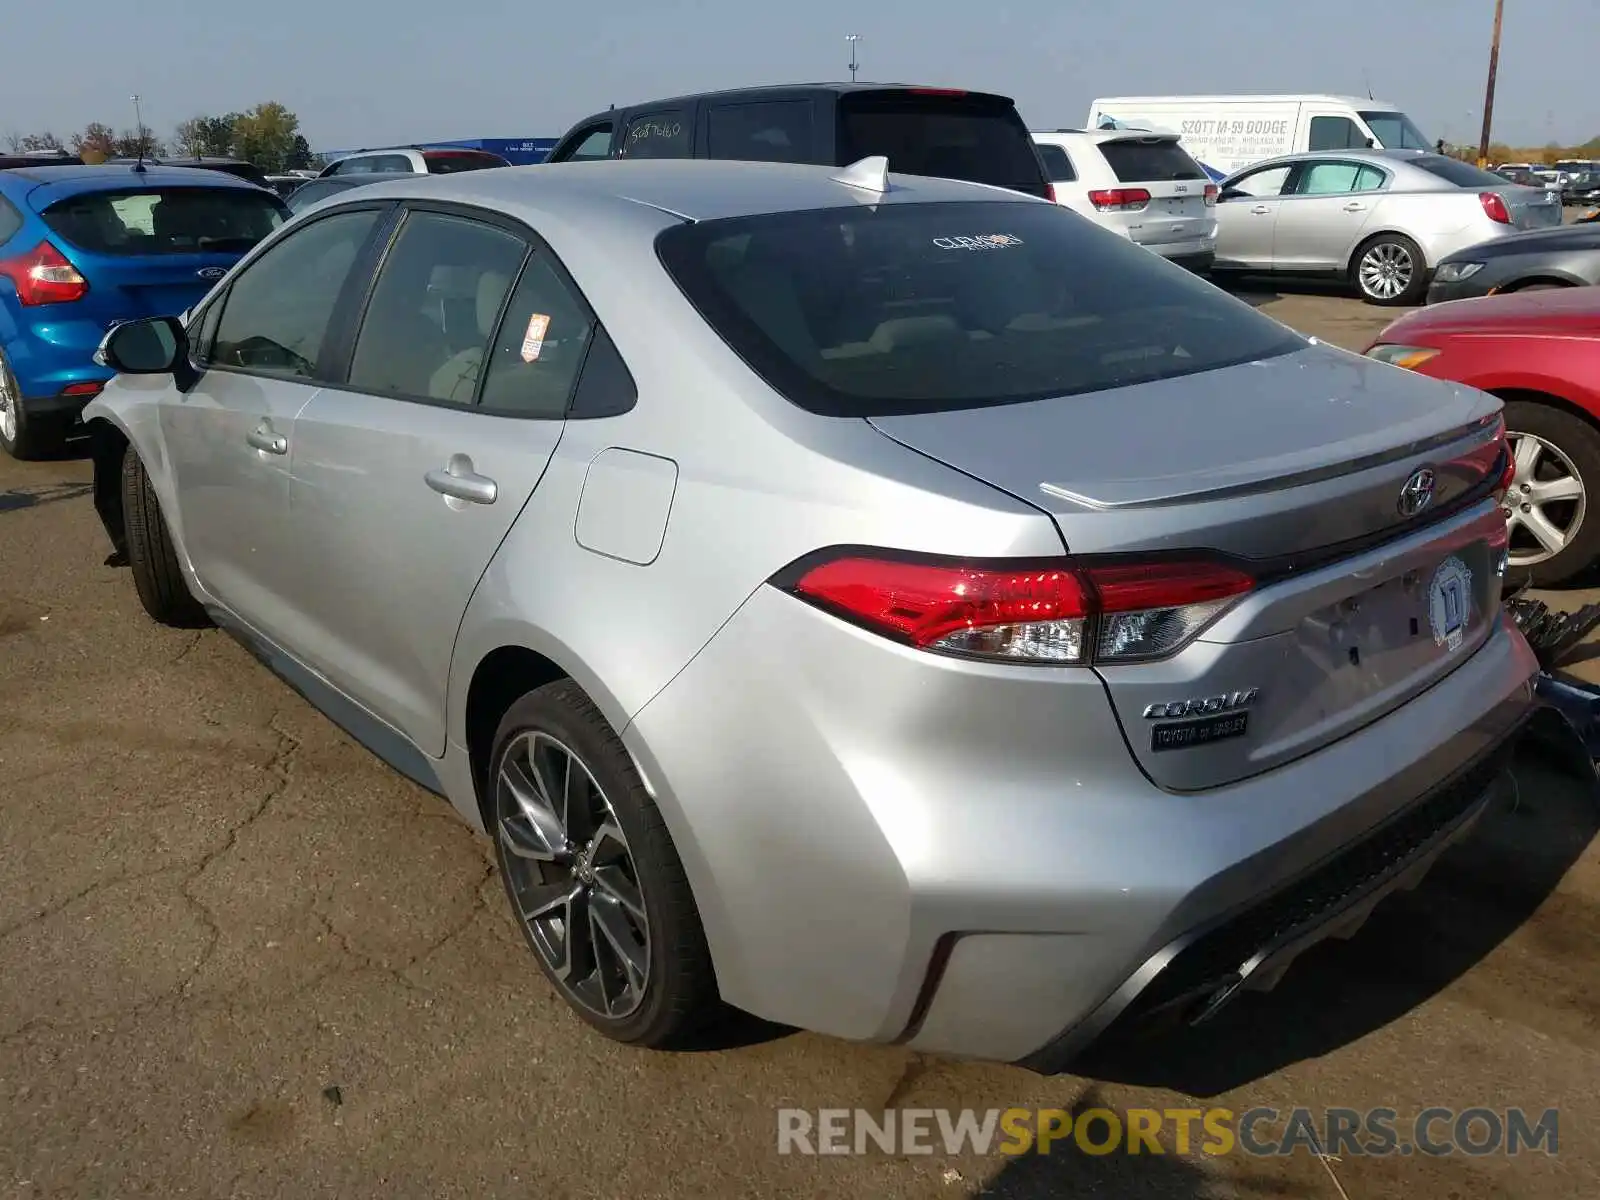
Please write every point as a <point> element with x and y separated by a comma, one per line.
<point>1258,1132</point>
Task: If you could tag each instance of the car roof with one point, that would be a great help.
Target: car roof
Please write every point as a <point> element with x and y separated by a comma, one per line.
<point>689,189</point>
<point>1097,136</point>
<point>767,91</point>
<point>1356,102</point>
<point>64,181</point>
<point>1373,155</point>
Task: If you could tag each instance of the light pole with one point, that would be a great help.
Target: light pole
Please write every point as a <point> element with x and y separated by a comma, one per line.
<point>138,125</point>
<point>1488,99</point>
<point>853,38</point>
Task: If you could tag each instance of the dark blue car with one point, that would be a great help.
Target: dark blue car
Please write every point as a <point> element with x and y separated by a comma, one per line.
<point>83,248</point>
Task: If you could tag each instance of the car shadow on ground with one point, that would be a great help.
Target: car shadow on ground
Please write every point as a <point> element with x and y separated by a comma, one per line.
<point>1481,892</point>
<point>34,495</point>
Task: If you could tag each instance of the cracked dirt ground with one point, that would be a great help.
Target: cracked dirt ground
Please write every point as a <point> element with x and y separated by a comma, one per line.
<point>239,958</point>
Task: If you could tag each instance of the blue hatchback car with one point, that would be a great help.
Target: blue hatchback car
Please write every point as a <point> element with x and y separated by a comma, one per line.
<point>83,248</point>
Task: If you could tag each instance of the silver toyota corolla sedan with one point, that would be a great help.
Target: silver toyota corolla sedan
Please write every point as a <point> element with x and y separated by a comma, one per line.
<point>888,605</point>
<point>1383,219</point>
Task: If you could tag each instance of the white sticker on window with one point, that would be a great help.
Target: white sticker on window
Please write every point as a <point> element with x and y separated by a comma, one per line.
<point>533,340</point>
<point>984,241</point>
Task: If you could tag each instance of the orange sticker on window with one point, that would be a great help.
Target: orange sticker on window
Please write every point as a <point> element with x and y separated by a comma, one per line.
<point>533,340</point>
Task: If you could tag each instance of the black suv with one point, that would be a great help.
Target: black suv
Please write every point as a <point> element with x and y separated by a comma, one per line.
<point>945,132</point>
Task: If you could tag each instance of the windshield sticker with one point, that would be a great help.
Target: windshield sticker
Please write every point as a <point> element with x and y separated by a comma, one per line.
<point>533,340</point>
<point>984,241</point>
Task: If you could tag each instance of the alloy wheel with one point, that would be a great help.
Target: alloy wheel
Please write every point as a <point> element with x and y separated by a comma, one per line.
<point>8,407</point>
<point>572,875</point>
<point>1386,270</point>
<point>1545,506</point>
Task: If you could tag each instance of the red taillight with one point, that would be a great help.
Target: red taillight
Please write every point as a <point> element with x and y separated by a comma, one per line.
<point>1050,612</point>
<point>1119,199</point>
<point>44,276</point>
<point>1508,463</point>
<point>1211,195</point>
<point>1494,205</point>
<point>1050,191</point>
<point>83,389</point>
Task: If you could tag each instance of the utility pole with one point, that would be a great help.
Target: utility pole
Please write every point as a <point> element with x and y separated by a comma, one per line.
<point>853,38</point>
<point>1488,99</point>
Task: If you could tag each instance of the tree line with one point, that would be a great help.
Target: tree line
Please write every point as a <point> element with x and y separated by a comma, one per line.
<point>267,135</point>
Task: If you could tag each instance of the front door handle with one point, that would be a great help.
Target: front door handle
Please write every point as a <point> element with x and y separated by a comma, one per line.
<point>458,481</point>
<point>1261,210</point>
<point>1355,206</point>
<point>263,438</point>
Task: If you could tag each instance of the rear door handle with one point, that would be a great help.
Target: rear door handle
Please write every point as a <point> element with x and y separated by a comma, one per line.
<point>459,481</point>
<point>1355,206</point>
<point>1261,210</point>
<point>263,438</point>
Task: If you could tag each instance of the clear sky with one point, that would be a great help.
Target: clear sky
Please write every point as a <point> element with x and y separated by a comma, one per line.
<point>359,72</point>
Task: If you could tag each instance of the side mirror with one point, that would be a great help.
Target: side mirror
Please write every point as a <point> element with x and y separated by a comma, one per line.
<point>152,346</point>
<point>1230,194</point>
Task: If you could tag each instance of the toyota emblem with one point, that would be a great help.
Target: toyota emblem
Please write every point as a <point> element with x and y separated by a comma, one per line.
<point>1417,493</point>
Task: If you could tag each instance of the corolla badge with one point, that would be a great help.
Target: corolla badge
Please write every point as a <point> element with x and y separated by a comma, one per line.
<point>211,272</point>
<point>1417,493</point>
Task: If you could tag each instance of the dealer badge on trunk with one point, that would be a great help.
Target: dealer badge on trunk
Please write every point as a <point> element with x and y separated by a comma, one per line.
<point>1450,602</point>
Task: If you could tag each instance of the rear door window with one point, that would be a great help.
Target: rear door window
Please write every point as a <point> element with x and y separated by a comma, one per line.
<point>535,359</point>
<point>665,133</point>
<point>773,131</point>
<point>166,220</point>
<point>1144,162</point>
<point>1057,165</point>
<point>434,308</point>
<point>952,136</point>
<point>902,308</point>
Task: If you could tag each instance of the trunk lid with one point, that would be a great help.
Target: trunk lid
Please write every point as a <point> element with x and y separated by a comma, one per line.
<point>1532,208</point>
<point>1297,464</point>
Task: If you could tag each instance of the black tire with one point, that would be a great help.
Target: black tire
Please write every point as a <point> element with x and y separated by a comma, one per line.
<point>1543,285</point>
<point>1580,442</point>
<point>156,574</point>
<point>680,993</point>
<point>35,437</point>
<point>1414,291</point>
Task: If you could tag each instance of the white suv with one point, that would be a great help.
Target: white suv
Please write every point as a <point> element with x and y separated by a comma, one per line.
<point>1139,184</point>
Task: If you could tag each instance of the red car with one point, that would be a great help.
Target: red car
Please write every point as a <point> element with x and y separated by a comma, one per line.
<point>1540,353</point>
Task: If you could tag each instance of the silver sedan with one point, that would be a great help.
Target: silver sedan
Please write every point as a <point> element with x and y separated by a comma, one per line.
<point>1383,219</point>
<point>893,606</point>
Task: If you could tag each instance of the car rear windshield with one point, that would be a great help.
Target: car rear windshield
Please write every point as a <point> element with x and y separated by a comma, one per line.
<point>1150,160</point>
<point>977,138</point>
<point>450,161</point>
<point>905,308</point>
<point>1453,170</point>
<point>166,220</point>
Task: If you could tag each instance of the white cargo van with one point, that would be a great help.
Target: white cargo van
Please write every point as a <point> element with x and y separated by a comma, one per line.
<point>1226,133</point>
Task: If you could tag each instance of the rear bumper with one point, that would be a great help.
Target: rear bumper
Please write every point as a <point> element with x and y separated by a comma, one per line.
<point>1192,977</point>
<point>56,406</point>
<point>1200,263</point>
<point>964,858</point>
